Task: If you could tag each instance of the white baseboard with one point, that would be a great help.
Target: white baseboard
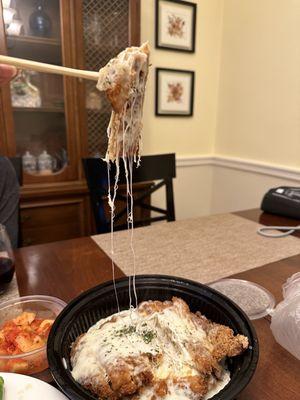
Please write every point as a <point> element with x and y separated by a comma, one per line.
<point>240,164</point>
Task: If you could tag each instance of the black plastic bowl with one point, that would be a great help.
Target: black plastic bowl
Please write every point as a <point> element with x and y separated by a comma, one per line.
<point>99,302</point>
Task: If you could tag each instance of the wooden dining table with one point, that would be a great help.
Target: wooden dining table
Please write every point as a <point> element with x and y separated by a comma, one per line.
<point>67,268</point>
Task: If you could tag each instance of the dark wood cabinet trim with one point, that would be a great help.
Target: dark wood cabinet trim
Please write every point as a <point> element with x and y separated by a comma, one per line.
<point>7,137</point>
<point>50,203</point>
<point>33,233</point>
<point>77,37</point>
<point>53,189</point>
<point>134,22</point>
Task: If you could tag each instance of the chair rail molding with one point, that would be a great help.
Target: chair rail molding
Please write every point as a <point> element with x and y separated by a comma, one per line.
<point>241,164</point>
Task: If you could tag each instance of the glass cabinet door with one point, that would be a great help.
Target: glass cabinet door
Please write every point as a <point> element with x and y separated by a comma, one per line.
<point>105,33</point>
<point>33,31</point>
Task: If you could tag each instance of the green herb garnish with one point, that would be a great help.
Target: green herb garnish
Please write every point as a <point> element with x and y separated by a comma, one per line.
<point>128,330</point>
<point>148,336</point>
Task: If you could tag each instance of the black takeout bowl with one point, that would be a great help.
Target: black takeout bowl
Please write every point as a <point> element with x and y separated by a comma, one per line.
<point>99,302</point>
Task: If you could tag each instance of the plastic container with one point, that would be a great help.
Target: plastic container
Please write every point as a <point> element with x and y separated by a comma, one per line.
<point>254,300</point>
<point>99,302</point>
<point>285,324</point>
<point>45,307</point>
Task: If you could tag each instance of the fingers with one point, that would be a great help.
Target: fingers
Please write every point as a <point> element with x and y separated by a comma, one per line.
<point>7,72</point>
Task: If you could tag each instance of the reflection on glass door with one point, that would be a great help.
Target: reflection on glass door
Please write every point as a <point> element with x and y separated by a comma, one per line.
<point>33,32</point>
<point>105,34</point>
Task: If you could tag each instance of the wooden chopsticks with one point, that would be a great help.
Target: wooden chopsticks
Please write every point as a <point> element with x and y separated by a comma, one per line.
<point>48,68</point>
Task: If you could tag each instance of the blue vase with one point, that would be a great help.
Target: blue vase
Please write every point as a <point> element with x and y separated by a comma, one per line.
<point>39,22</point>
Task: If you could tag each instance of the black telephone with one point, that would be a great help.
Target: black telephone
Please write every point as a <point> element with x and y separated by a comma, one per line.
<point>284,200</point>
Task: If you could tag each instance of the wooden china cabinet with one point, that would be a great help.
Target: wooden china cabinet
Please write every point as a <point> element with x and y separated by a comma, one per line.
<point>52,121</point>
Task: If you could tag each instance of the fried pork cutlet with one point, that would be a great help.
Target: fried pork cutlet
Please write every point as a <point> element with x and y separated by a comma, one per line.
<point>124,80</point>
<point>161,350</point>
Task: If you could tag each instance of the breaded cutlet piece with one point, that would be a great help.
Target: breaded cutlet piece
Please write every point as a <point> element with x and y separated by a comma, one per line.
<point>124,80</point>
<point>157,350</point>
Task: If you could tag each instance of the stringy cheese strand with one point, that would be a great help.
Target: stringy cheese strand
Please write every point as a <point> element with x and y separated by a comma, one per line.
<point>124,79</point>
<point>111,204</point>
<point>132,227</point>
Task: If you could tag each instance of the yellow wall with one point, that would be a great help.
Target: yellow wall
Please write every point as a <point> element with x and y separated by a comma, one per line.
<point>259,94</point>
<point>247,101</point>
<point>192,135</point>
<point>247,94</point>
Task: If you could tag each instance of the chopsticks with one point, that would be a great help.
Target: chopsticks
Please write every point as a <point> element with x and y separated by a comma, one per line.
<point>48,68</point>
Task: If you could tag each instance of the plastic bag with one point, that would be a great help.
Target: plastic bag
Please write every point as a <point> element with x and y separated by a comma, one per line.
<point>285,323</point>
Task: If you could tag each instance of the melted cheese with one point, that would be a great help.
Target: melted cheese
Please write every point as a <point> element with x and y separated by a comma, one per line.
<point>104,343</point>
<point>217,386</point>
<point>132,334</point>
<point>124,80</point>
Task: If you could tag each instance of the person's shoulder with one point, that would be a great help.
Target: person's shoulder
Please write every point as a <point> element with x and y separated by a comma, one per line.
<point>4,160</point>
<point>6,166</point>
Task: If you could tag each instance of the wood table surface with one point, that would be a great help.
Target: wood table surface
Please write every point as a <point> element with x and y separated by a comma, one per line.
<point>65,269</point>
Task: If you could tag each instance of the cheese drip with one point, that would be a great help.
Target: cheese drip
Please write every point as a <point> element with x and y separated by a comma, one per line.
<point>124,81</point>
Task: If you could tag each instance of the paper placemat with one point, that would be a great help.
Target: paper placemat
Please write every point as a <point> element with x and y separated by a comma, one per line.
<point>12,291</point>
<point>203,249</point>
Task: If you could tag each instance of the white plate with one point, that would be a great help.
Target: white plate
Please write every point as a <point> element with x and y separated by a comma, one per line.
<point>23,387</point>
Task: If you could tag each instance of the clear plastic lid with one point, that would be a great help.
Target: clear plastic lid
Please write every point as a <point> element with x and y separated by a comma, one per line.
<point>254,300</point>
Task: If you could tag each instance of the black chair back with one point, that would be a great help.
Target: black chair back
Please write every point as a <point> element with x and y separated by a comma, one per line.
<point>161,168</point>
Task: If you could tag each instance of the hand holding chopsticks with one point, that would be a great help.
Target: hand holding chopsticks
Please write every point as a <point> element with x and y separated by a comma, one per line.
<point>48,68</point>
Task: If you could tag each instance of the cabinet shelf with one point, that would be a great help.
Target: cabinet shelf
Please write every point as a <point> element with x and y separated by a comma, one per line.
<point>35,48</point>
<point>37,40</point>
<point>39,109</point>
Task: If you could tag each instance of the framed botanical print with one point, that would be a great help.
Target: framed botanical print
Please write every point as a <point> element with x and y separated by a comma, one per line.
<point>174,92</point>
<point>175,25</point>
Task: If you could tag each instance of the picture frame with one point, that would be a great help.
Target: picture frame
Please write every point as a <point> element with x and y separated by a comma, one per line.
<point>175,25</point>
<point>174,94</point>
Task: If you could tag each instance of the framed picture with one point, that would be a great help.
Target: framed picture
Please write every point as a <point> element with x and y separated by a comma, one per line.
<point>175,25</point>
<point>174,92</point>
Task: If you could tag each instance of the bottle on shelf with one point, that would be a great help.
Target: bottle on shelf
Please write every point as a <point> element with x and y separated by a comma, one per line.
<point>39,21</point>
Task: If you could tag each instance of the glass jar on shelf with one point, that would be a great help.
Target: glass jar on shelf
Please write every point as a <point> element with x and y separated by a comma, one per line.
<point>24,93</point>
<point>29,162</point>
<point>45,163</point>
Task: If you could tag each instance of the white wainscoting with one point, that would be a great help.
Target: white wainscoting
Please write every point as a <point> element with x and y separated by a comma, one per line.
<point>209,184</point>
<point>192,189</point>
